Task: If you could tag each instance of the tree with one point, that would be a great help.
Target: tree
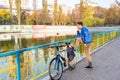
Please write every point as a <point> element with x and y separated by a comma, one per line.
<point>14,20</point>
<point>45,17</point>
<point>23,17</point>
<point>67,20</point>
<point>73,17</point>
<point>55,20</point>
<point>10,4</point>
<point>88,11</point>
<point>79,11</point>
<point>112,16</point>
<point>29,19</point>
<point>60,15</point>
<point>34,5</point>
<point>4,17</point>
<point>35,12</point>
<point>99,12</point>
<point>89,19</point>
<point>18,8</point>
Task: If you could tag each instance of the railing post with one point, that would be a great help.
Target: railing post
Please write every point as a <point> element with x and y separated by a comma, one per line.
<point>98,40</point>
<point>77,53</point>
<point>57,48</point>
<point>103,38</point>
<point>18,66</point>
<point>117,34</point>
<point>109,36</point>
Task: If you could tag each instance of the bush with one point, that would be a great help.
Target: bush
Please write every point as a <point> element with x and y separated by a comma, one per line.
<point>93,21</point>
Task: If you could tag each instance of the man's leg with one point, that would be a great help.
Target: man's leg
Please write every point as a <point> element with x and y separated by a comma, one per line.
<point>87,52</point>
<point>77,43</point>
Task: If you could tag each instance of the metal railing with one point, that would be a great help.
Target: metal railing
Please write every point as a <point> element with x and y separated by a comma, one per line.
<point>32,63</point>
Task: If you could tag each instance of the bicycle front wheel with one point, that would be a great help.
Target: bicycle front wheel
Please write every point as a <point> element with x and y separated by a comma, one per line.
<point>55,69</point>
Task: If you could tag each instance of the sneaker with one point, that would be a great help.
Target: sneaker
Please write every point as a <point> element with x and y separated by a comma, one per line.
<point>89,67</point>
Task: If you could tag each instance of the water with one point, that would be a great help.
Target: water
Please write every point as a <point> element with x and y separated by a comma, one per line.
<point>10,42</point>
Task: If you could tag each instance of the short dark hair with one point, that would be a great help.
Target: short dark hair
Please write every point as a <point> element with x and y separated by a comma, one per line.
<point>80,23</point>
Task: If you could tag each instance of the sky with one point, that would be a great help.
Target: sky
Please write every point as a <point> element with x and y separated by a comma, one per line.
<point>71,3</point>
<point>103,3</point>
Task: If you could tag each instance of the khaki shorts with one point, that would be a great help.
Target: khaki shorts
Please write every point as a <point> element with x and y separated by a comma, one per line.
<point>87,47</point>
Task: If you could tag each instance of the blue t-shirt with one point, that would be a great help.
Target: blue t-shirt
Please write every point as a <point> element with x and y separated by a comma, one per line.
<point>85,35</point>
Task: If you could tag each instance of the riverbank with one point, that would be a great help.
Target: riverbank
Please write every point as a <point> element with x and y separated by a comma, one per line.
<point>44,28</point>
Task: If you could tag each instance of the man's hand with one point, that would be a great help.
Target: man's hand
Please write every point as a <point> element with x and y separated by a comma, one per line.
<point>78,38</point>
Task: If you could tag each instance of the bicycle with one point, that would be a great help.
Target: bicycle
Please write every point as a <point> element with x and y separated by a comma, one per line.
<point>56,64</point>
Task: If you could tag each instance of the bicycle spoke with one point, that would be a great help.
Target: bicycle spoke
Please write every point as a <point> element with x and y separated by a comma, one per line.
<point>55,69</point>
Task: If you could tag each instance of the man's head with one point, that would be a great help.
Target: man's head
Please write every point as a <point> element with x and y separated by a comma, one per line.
<point>79,25</point>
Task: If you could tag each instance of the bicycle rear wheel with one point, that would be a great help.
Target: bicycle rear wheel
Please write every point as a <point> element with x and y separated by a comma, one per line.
<point>55,69</point>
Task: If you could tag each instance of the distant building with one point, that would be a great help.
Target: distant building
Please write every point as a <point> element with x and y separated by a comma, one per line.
<point>50,9</point>
<point>92,4</point>
<point>2,7</point>
<point>66,9</point>
<point>117,2</point>
<point>87,3</point>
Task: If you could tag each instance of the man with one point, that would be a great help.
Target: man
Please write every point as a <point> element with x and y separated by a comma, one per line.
<point>84,36</point>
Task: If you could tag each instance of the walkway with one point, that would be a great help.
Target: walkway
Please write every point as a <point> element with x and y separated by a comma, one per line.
<point>106,62</point>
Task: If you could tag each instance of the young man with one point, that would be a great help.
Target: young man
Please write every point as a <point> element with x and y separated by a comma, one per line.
<point>84,36</point>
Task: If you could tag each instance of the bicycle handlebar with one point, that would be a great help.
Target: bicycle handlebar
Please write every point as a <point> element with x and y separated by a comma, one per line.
<point>61,51</point>
<point>56,46</point>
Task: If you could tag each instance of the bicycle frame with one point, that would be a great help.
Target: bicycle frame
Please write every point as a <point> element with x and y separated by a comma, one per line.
<point>58,59</point>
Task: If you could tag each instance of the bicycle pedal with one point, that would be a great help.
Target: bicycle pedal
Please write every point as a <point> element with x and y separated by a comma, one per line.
<point>70,68</point>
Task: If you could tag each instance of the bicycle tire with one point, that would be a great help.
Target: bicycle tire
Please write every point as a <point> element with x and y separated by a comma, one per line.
<point>52,75</point>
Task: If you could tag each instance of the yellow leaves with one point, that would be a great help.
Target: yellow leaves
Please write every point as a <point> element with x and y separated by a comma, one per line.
<point>4,16</point>
<point>93,21</point>
<point>89,11</point>
<point>3,12</point>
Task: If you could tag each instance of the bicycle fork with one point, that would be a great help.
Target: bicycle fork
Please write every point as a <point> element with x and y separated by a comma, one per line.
<point>57,61</point>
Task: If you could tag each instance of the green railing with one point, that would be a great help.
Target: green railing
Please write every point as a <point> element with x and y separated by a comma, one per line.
<point>32,63</point>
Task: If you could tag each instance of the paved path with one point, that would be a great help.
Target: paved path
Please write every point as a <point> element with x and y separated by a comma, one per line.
<point>106,63</point>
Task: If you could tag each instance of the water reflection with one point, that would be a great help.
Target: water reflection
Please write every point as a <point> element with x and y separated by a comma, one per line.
<point>9,42</point>
<point>35,62</point>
